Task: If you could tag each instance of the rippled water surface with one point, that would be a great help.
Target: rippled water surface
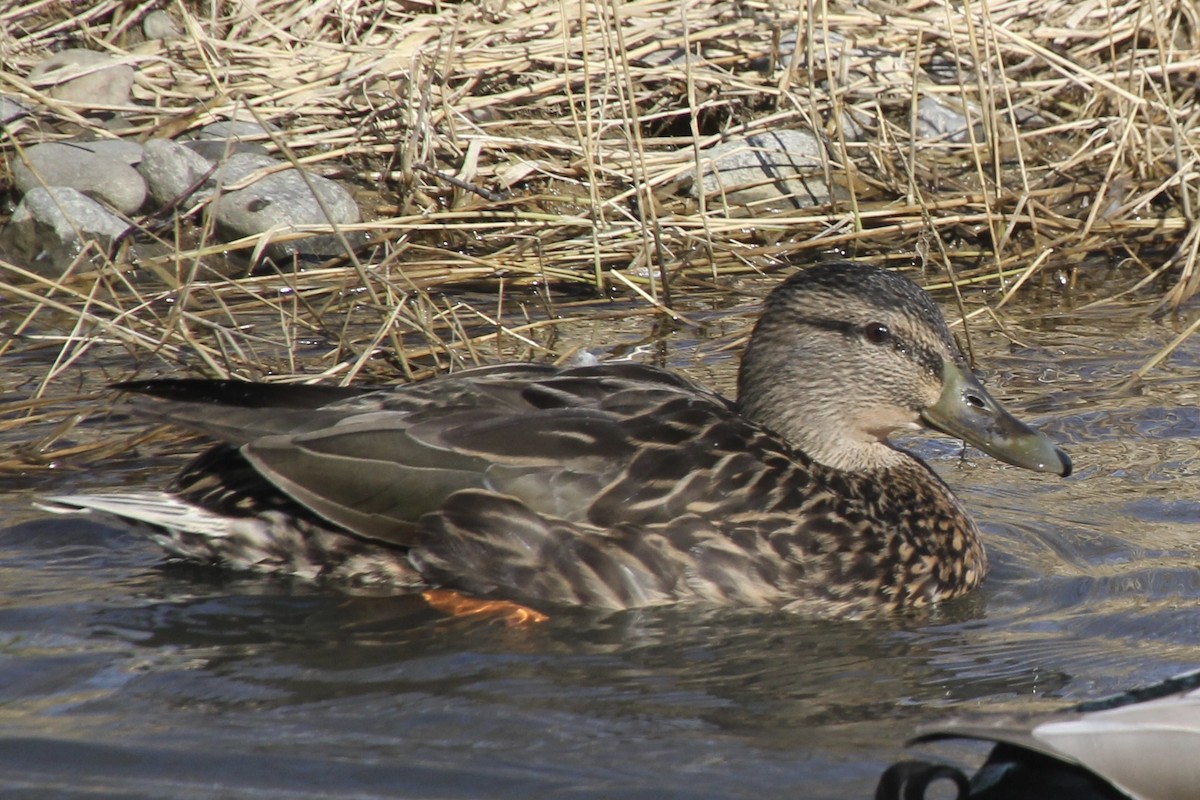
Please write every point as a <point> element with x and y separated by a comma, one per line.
<point>122,676</point>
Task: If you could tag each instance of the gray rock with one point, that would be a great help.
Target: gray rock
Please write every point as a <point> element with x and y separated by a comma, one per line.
<point>279,202</point>
<point>80,167</point>
<point>787,47</point>
<point>834,53</point>
<point>125,150</point>
<point>945,118</point>
<point>858,124</point>
<point>665,57</point>
<point>773,170</point>
<point>170,170</point>
<point>160,25</point>
<point>53,225</point>
<point>13,113</point>
<point>232,129</point>
<point>220,149</point>
<point>84,77</point>
<point>220,140</point>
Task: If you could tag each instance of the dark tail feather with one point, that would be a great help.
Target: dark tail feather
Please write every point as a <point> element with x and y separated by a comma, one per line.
<point>237,411</point>
<point>242,394</point>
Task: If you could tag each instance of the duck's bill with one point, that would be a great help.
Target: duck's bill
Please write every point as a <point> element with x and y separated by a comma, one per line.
<point>966,411</point>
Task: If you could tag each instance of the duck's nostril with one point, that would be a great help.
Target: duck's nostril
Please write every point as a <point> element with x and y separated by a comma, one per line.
<point>974,400</point>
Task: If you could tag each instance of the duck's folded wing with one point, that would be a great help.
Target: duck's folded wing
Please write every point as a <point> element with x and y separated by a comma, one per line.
<point>375,474</point>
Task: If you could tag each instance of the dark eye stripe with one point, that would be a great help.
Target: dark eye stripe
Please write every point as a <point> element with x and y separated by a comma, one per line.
<point>841,326</point>
<point>874,332</point>
<point>926,357</point>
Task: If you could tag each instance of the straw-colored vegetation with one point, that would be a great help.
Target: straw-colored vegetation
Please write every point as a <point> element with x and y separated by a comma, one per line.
<point>542,150</point>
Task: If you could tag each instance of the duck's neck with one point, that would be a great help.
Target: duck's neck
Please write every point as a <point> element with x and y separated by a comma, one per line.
<point>827,439</point>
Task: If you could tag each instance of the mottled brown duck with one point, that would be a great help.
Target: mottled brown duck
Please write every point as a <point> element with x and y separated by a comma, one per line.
<point>612,486</point>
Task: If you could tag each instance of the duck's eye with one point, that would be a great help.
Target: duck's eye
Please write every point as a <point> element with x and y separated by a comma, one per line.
<point>877,333</point>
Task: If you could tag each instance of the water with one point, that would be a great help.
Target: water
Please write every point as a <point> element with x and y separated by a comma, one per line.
<point>122,676</point>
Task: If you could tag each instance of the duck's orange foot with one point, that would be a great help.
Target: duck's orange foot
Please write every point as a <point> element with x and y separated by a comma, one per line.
<point>457,604</point>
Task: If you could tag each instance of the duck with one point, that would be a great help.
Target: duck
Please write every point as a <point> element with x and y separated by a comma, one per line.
<point>610,486</point>
<point>1139,744</point>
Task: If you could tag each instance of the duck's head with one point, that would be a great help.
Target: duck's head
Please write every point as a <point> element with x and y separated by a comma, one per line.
<point>846,353</point>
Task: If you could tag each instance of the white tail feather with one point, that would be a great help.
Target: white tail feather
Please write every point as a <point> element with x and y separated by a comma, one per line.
<point>152,508</point>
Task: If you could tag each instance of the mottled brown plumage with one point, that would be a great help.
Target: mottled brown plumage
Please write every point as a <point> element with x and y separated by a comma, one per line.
<point>617,485</point>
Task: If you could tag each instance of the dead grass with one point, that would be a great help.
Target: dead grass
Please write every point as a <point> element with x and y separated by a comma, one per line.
<point>538,150</point>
